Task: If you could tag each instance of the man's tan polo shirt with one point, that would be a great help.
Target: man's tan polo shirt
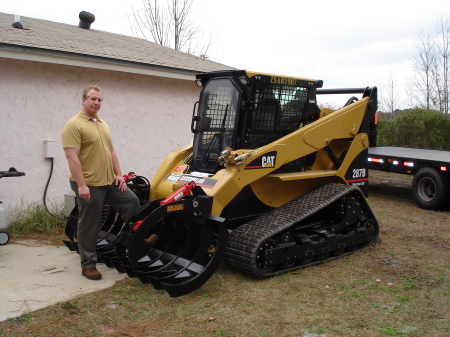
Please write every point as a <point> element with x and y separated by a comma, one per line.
<point>93,138</point>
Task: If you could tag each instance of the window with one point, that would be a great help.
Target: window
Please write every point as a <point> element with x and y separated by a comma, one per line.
<point>277,112</point>
<point>217,111</point>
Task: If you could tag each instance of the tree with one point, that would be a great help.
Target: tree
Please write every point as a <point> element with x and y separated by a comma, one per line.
<point>169,23</point>
<point>431,80</point>
<point>424,62</point>
<point>442,72</point>
<point>389,100</point>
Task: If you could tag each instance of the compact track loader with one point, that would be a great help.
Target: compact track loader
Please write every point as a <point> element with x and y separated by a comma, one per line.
<point>271,184</point>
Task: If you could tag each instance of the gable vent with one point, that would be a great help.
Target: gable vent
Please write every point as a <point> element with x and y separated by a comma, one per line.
<point>86,19</point>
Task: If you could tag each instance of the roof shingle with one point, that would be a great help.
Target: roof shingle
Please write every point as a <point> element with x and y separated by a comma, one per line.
<point>64,38</point>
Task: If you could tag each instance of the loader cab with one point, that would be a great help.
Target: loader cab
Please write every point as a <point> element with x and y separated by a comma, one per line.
<point>244,110</point>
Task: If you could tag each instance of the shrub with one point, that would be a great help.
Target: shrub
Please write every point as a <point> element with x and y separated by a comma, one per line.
<point>35,219</point>
<point>417,128</point>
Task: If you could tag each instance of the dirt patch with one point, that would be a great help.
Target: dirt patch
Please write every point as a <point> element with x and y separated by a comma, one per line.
<point>36,240</point>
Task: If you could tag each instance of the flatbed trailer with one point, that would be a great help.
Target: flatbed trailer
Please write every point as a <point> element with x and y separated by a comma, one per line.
<point>430,168</point>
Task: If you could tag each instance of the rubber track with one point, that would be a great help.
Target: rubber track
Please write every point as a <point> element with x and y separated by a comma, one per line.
<point>244,241</point>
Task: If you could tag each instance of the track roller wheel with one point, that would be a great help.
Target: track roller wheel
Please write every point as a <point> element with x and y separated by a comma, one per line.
<point>324,253</point>
<point>355,244</point>
<point>291,260</point>
<point>262,260</point>
<point>372,227</point>
<point>288,264</point>
<point>307,259</point>
<point>340,249</point>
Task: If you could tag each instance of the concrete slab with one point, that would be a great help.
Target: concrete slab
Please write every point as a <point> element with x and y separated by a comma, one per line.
<point>33,276</point>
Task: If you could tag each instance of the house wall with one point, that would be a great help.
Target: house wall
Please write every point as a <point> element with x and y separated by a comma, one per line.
<point>149,117</point>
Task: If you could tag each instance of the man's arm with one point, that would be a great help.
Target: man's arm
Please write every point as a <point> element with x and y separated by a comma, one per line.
<point>122,185</point>
<point>77,173</point>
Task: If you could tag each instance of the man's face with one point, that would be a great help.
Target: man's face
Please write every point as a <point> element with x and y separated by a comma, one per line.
<point>92,104</point>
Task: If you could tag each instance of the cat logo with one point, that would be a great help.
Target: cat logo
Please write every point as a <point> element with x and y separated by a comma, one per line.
<point>268,161</point>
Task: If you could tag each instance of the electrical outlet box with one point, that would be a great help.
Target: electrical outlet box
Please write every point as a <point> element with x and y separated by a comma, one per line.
<point>49,148</point>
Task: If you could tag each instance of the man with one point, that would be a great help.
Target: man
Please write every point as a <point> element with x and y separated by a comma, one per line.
<point>95,176</point>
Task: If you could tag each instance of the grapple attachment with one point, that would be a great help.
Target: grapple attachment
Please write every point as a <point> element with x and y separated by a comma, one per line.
<point>189,248</point>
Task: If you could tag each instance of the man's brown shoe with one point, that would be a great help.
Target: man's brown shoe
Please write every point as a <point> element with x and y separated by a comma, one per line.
<point>91,273</point>
<point>150,241</point>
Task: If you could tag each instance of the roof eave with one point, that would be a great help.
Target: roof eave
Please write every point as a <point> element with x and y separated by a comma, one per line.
<point>87,61</point>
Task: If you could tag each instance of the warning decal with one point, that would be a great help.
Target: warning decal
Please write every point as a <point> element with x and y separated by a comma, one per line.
<point>185,179</point>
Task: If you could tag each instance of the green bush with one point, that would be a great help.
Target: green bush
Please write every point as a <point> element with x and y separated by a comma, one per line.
<point>35,219</point>
<point>417,128</point>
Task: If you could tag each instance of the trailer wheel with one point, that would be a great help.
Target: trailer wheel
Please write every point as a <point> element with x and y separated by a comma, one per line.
<point>4,238</point>
<point>429,188</point>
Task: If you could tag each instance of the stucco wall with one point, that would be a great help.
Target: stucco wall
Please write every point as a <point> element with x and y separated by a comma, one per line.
<point>149,117</point>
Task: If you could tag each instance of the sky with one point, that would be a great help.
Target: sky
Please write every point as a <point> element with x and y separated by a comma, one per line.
<point>345,43</point>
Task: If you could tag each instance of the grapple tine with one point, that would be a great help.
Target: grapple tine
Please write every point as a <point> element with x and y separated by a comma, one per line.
<point>106,241</point>
<point>148,260</point>
<point>167,256</point>
<point>188,285</point>
<point>71,224</point>
<point>184,265</point>
<point>121,261</point>
<point>115,263</point>
<point>168,241</point>
<point>137,247</point>
<point>69,244</point>
<point>112,223</point>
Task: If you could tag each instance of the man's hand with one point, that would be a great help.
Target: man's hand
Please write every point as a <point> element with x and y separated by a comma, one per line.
<point>120,183</point>
<point>84,193</point>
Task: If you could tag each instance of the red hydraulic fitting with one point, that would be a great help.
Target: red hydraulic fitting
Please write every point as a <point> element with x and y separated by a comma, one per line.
<point>179,193</point>
<point>128,176</point>
<point>137,224</point>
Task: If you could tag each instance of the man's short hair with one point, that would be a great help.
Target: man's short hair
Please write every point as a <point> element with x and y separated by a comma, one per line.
<point>89,87</point>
